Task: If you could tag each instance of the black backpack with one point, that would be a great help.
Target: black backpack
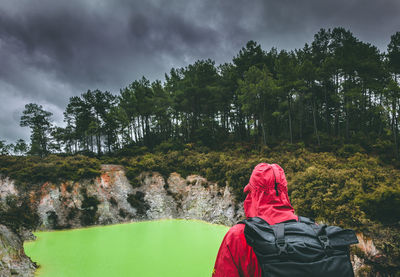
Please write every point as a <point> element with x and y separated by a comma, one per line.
<point>300,248</point>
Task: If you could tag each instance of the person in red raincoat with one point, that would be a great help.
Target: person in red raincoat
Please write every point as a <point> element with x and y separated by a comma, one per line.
<point>266,198</point>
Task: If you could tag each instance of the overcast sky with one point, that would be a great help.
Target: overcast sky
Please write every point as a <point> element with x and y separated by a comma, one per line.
<point>51,50</point>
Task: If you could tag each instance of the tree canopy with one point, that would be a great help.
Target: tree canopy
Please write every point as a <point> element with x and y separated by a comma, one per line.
<point>335,91</point>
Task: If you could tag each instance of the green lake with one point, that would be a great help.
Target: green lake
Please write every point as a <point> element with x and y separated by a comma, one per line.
<point>140,249</point>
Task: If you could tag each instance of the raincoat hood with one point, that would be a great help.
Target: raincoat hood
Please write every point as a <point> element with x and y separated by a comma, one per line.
<point>267,195</point>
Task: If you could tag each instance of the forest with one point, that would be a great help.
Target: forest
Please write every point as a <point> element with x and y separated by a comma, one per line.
<point>335,92</point>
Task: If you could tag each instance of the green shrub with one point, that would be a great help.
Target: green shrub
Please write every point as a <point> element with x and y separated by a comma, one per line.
<point>30,171</point>
<point>137,201</point>
<point>381,204</point>
<point>16,212</point>
<point>89,209</point>
<point>52,219</point>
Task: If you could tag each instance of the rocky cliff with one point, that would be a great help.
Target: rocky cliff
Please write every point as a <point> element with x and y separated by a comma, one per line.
<point>13,261</point>
<point>111,198</point>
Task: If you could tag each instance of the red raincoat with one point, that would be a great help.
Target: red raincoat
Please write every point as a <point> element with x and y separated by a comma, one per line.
<point>266,198</point>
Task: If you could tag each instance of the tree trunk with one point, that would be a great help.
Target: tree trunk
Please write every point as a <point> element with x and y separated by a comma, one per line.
<point>290,119</point>
<point>143,131</point>
<point>328,126</point>
<point>394,120</point>
<point>264,136</point>
<point>315,121</point>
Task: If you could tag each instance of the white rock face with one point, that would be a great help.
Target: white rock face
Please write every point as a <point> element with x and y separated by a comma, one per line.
<point>199,199</point>
<point>7,188</point>
<point>61,206</point>
<point>367,245</point>
<point>111,189</point>
<point>161,204</point>
<point>13,261</point>
<point>190,198</point>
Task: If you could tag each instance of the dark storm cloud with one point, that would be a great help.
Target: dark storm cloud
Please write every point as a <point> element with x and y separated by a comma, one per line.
<point>51,50</point>
<point>298,21</point>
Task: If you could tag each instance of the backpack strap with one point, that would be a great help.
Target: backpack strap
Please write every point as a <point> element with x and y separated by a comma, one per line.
<point>306,220</point>
<point>253,220</point>
<point>320,231</point>
<point>280,241</point>
<point>322,236</point>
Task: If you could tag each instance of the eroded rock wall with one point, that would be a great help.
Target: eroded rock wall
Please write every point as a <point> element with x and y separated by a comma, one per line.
<point>62,206</point>
<point>13,261</point>
<point>192,197</point>
<point>65,203</point>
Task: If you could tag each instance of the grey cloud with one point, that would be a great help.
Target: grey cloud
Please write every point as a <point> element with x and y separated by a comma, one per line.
<point>51,50</point>
<point>370,21</point>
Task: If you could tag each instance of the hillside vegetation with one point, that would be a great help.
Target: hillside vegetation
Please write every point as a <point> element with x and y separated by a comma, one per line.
<point>349,189</point>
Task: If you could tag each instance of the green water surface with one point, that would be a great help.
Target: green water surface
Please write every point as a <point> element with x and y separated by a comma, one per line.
<point>151,248</point>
